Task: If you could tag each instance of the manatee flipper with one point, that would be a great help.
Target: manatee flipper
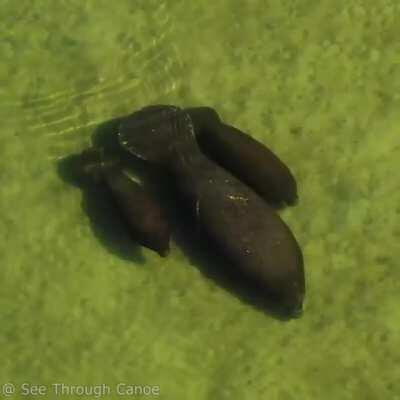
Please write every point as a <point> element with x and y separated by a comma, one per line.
<point>143,214</point>
<point>249,160</point>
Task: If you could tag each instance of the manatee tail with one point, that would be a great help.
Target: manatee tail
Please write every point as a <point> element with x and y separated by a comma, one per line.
<point>157,133</point>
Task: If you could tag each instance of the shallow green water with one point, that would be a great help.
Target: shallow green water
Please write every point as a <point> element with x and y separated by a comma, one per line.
<point>318,81</point>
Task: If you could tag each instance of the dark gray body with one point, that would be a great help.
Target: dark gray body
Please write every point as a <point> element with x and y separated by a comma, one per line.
<point>241,224</point>
<point>246,158</point>
<point>142,212</point>
<point>244,227</point>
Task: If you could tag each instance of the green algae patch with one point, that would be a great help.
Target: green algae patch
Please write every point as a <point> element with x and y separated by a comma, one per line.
<point>317,82</point>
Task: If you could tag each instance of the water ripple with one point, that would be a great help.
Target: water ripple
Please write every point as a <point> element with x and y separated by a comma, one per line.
<point>57,118</point>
